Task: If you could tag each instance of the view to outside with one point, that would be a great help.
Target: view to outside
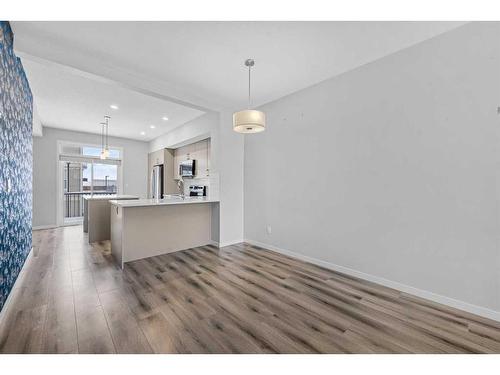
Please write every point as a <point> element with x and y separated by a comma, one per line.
<point>82,179</point>
<point>105,175</point>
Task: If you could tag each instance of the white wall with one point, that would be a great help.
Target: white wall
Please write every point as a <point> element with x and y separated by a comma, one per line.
<point>200,128</point>
<point>135,165</point>
<point>226,162</point>
<point>37,124</point>
<point>230,166</point>
<point>391,169</point>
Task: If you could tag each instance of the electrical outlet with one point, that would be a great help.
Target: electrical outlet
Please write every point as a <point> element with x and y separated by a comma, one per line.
<point>268,229</point>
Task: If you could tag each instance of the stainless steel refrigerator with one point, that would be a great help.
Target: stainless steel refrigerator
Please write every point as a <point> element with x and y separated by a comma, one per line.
<point>157,182</point>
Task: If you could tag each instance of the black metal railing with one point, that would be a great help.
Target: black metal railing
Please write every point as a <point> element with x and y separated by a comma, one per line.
<point>73,201</point>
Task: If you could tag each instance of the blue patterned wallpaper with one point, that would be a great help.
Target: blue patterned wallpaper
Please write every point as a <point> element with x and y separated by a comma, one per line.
<point>16,104</point>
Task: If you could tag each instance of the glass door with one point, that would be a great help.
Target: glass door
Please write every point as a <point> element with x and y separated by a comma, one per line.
<point>84,174</point>
<point>105,179</point>
<point>75,186</point>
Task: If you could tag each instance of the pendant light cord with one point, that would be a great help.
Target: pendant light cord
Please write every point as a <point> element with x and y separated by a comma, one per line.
<point>249,103</point>
<point>107,118</point>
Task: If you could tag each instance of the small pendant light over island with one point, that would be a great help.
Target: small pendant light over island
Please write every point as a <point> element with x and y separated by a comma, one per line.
<point>104,139</point>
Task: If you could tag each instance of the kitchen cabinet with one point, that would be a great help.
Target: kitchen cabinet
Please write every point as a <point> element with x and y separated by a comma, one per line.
<point>209,155</point>
<point>176,164</point>
<point>181,154</point>
<point>199,151</point>
<point>190,151</point>
<point>169,184</point>
<point>157,157</point>
<point>201,157</point>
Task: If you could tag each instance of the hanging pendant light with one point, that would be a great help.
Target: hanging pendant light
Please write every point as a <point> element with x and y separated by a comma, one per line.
<point>103,154</point>
<point>106,147</point>
<point>249,120</point>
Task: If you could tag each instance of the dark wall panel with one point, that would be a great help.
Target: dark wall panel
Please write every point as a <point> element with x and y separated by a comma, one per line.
<point>16,111</point>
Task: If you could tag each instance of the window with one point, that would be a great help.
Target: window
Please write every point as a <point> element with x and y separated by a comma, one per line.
<point>96,151</point>
<point>84,174</point>
<point>105,178</point>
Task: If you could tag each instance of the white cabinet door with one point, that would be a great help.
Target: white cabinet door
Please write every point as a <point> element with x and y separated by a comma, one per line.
<point>176,163</point>
<point>189,151</point>
<point>201,158</point>
<point>209,150</point>
<point>158,157</point>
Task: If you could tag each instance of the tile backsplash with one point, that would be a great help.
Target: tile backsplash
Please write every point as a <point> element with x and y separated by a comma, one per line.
<point>211,182</point>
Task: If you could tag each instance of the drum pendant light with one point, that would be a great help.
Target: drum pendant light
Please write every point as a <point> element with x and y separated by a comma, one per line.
<point>249,120</point>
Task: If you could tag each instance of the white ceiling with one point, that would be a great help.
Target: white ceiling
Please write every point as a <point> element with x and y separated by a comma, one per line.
<point>200,64</point>
<point>69,101</point>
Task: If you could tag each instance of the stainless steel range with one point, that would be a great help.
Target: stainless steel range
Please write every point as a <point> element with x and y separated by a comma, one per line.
<point>197,191</point>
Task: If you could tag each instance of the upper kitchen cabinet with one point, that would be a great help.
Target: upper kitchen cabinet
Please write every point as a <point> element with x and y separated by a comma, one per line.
<point>169,184</point>
<point>176,164</point>
<point>157,157</point>
<point>200,152</point>
<point>209,155</point>
<point>181,154</point>
<point>201,156</point>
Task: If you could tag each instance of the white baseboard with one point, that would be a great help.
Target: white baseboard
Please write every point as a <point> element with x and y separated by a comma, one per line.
<point>41,227</point>
<point>461,305</point>
<point>52,226</point>
<point>9,297</point>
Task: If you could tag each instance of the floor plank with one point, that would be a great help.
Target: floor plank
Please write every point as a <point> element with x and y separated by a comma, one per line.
<point>72,298</point>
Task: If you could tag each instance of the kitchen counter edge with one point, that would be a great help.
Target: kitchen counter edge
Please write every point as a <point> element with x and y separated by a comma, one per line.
<point>161,202</point>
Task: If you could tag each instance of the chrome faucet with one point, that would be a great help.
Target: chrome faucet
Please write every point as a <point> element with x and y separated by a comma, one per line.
<point>180,186</point>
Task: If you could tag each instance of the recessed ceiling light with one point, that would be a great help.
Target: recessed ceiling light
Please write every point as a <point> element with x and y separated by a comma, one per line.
<point>164,118</point>
<point>143,133</point>
<point>152,126</point>
<point>113,106</point>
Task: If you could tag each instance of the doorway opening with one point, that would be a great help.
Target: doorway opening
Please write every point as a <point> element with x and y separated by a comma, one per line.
<point>83,174</point>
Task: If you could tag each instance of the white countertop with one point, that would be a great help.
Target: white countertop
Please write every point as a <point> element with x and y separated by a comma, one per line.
<point>108,197</point>
<point>161,202</point>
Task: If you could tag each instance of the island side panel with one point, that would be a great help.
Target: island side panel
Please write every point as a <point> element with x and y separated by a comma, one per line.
<point>155,230</point>
<point>116,218</point>
<point>99,220</point>
<point>85,215</point>
<point>215,219</point>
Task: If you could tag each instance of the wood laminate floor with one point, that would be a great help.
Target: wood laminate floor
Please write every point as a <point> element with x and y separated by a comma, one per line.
<point>72,298</point>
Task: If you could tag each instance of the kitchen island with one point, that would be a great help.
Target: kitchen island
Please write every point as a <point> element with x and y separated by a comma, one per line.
<point>96,215</point>
<point>148,227</point>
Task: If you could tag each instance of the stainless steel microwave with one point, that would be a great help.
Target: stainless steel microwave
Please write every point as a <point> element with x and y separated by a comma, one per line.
<point>187,168</point>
